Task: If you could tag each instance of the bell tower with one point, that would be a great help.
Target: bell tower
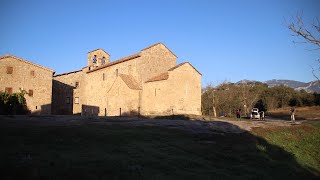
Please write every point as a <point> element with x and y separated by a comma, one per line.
<point>97,58</point>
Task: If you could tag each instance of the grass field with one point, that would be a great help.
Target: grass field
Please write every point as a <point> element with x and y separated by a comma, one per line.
<point>128,152</point>
<point>302,113</point>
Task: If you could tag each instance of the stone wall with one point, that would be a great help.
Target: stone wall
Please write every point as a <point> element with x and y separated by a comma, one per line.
<point>34,79</point>
<point>121,85</point>
<point>66,88</point>
<point>155,60</point>
<point>99,56</point>
<point>105,90</point>
<point>179,94</point>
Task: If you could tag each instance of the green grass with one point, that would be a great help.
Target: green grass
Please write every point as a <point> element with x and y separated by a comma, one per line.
<point>303,142</point>
<point>127,152</point>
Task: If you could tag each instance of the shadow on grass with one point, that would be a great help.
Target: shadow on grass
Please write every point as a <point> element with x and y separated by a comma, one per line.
<point>140,152</point>
<point>173,117</point>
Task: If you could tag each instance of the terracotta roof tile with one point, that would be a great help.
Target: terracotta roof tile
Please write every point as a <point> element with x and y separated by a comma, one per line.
<point>160,77</point>
<point>130,81</point>
<point>25,61</point>
<point>175,67</point>
<point>67,73</point>
<point>133,56</point>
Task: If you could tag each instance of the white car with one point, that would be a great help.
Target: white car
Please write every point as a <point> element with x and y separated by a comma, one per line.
<point>255,114</point>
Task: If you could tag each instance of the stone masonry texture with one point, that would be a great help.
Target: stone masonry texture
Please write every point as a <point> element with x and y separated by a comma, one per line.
<point>147,83</point>
<point>36,80</point>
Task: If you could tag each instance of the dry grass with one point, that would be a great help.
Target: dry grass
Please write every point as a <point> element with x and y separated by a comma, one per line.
<point>302,113</point>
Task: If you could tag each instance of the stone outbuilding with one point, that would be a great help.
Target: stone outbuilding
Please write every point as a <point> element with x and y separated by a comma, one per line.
<point>19,75</point>
<point>149,82</point>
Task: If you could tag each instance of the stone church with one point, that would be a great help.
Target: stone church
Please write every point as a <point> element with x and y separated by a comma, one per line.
<point>149,82</point>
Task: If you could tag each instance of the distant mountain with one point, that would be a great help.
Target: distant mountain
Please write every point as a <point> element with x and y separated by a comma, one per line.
<point>289,83</point>
<point>246,81</point>
<point>312,86</point>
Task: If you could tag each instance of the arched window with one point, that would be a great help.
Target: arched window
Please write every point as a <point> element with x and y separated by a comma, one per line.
<point>103,60</point>
<point>94,59</point>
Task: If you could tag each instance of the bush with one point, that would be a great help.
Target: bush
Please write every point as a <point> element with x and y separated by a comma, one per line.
<point>13,103</point>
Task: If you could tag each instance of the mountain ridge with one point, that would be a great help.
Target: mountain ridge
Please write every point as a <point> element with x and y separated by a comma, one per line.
<point>312,86</point>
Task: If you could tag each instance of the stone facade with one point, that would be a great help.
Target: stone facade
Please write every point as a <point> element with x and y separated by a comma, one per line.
<point>148,83</point>
<point>65,89</point>
<point>17,74</point>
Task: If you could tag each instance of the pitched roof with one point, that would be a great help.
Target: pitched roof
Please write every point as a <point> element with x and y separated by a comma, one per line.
<point>130,81</point>
<point>133,56</point>
<point>25,61</point>
<point>67,73</point>
<point>158,44</point>
<point>99,49</point>
<point>165,75</point>
<point>160,77</point>
<point>175,67</point>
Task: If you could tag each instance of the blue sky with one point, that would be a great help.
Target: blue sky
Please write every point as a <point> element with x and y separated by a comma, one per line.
<point>224,40</point>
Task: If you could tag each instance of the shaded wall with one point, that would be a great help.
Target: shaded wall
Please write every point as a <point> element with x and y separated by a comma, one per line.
<point>65,89</point>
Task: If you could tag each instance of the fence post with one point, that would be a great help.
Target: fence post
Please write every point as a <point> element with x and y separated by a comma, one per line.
<point>120,111</point>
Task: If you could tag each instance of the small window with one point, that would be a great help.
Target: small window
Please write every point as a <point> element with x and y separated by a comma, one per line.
<point>76,100</point>
<point>103,76</point>
<point>9,70</point>
<point>30,93</point>
<point>32,73</point>
<point>68,100</point>
<point>103,60</point>
<point>130,69</point>
<point>77,84</point>
<point>94,59</point>
<point>117,71</point>
<point>8,90</point>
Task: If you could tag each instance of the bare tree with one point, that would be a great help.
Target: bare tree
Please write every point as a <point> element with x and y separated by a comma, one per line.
<point>310,34</point>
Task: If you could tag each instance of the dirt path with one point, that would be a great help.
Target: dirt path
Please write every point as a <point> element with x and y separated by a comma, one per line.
<point>194,126</point>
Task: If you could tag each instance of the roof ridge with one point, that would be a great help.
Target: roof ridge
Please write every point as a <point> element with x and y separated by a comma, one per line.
<point>67,73</point>
<point>99,49</point>
<point>158,44</point>
<point>151,46</point>
<point>175,67</point>
<point>26,61</point>
<point>159,77</point>
<point>127,58</point>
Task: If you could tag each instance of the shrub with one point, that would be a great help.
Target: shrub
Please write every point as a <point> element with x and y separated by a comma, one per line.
<point>13,103</point>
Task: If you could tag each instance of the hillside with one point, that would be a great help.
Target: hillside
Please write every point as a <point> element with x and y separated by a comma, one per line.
<point>312,86</point>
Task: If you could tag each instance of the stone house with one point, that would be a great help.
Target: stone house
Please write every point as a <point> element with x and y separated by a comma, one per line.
<point>17,74</point>
<point>148,83</point>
